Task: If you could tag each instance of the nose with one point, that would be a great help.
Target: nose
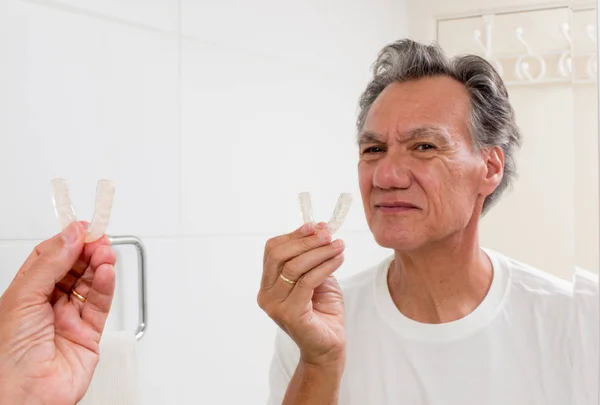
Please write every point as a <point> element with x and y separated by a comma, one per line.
<point>392,173</point>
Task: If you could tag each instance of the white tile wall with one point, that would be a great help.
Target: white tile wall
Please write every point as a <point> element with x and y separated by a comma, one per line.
<point>12,256</point>
<point>307,33</point>
<point>256,133</point>
<point>158,14</point>
<point>209,135</point>
<point>84,99</point>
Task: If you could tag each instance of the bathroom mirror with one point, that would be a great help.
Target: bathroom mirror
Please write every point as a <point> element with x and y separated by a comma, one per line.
<point>546,56</point>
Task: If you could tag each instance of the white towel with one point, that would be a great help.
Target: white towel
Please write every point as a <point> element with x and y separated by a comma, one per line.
<point>115,381</point>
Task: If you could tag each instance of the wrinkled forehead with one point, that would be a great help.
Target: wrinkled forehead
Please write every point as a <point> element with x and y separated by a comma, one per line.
<point>421,133</point>
<point>438,106</point>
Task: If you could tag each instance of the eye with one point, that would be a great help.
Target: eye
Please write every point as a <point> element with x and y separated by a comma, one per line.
<point>425,147</point>
<point>372,149</point>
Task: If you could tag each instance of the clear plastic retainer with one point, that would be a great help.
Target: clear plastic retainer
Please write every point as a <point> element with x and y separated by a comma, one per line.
<point>65,213</point>
<point>339,213</point>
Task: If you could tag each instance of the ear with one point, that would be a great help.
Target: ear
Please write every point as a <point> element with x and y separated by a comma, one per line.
<point>494,163</point>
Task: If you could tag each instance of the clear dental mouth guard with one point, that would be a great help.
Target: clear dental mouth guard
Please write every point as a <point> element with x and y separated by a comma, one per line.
<point>65,213</point>
<point>339,213</point>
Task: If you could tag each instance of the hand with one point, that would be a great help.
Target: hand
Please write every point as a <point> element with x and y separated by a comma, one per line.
<point>49,339</point>
<point>311,311</point>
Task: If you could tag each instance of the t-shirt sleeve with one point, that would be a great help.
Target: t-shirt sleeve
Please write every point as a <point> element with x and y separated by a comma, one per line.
<point>283,365</point>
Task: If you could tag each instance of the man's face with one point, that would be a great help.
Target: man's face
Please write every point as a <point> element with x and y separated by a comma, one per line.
<point>421,180</point>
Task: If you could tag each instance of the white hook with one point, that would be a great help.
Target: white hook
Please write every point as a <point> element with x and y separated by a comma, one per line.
<point>519,33</point>
<point>566,30</point>
<point>477,37</point>
<point>525,69</point>
<point>565,63</point>
<point>488,20</point>
<point>590,30</point>
<point>592,67</point>
<point>521,66</point>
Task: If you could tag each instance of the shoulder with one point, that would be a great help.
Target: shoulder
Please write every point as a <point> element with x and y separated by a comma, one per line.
<point>535,294</point>
<point>533,280</point>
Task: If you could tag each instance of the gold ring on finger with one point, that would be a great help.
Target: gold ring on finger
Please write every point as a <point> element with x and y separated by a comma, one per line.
<point>78,296</point>
<point>286,280</point>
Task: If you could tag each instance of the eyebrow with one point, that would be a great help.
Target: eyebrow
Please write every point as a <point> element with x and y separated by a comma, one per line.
<point>424,132</point>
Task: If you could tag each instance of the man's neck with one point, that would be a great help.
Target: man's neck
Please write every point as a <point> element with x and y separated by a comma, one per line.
<point>442,283</point>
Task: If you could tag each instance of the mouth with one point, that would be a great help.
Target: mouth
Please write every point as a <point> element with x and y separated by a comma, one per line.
<point>395,206</point>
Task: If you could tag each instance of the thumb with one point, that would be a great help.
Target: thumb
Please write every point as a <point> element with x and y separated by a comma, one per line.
<point>55,257</point>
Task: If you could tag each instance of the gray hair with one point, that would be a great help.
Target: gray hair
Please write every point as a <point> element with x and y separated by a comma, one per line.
<point>492,121</point>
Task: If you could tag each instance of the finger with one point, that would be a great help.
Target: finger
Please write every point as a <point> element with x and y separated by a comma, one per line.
<point>295,268</point>
<point>53,262</point>
<point>68,281</point>
<point>81,288</point>
<point>100,297</point>
<point>285,252</point>
<point>301,265</point>
<point>306,285</point>
<point>81,265</point>
<point>43,246</point>
<point>304,231</point>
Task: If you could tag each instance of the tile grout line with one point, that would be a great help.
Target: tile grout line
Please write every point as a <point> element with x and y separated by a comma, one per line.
<point>270,57</point>
<point>180,216</point>
<point>53,4</point>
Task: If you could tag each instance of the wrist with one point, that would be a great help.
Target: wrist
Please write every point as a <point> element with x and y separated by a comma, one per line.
<point>331,363</point>
<point>315,384</point>
<point>331,369</point>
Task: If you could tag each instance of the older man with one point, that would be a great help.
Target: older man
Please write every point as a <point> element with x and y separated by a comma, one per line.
<point>441,321</point>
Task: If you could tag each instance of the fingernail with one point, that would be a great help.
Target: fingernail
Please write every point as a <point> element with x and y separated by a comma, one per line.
<point>322,225</point>
<point>338,244</point>
<point>71,232</point>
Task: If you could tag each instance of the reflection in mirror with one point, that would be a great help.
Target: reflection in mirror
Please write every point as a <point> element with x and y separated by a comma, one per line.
<point>547,57</point>
<point>504,131</point>
<point>550,72</point>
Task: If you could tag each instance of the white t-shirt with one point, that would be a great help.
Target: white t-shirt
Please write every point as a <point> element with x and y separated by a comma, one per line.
<point>585,338</point>
<point>512,349</point>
